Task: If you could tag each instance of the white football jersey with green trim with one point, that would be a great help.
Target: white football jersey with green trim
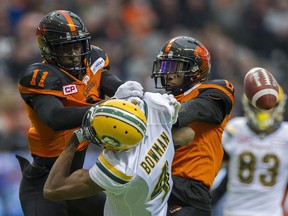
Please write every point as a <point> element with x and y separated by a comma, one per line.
<point>138,181</point>
<point>258,170</point>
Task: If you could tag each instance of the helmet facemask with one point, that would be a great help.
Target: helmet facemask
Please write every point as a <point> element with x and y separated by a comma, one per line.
<point>71,61</point>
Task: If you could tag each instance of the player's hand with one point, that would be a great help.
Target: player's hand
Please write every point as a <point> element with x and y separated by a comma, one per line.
<point>129,89</point>
<point>172,100</point>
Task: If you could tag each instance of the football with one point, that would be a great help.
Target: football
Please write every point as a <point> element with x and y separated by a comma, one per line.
<point>261,88</point>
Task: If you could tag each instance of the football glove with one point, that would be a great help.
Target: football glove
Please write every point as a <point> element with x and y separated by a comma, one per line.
<point>176,104</point>
<point>129,89</point>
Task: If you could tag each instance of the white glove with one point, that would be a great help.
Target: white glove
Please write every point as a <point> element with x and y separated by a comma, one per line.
<point>176,105</point>
<point>137,101</point>
<point>129,89</point>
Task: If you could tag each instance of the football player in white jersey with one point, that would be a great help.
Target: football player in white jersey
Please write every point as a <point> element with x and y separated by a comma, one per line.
<point>136,176</point>
<point>257,145</point>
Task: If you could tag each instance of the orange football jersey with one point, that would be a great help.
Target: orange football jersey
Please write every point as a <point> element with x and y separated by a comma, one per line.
<point>42,78</point>
<point>201,160</point>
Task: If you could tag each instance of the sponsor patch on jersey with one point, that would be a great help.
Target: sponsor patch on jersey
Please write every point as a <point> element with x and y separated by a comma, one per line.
<point>70,89</point>
<point>97,65</point>
<point>85,79</point>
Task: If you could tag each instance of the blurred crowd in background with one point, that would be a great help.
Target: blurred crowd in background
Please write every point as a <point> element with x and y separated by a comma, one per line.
<point>239,35</point>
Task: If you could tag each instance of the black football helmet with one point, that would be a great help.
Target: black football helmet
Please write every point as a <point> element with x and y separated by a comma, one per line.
<point>60,28</point>
<point>182,56</point>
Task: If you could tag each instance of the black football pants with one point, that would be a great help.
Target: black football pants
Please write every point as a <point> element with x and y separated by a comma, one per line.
<point>34,204</point>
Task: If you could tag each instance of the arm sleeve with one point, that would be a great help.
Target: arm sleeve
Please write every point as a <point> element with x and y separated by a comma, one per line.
<point>109,83</point>
<point>199,110</point>
<point>51,111</point>
<point>210,106</point>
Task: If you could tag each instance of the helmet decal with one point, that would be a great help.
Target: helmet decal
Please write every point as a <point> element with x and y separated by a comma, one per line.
<point>70,22</point>
<point>169,45</point>
<point>202,55</point>
<point>110,142</point>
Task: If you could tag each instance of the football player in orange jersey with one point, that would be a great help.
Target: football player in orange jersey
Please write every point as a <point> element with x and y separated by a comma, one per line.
<point>57,92</point>
<point>182,67</point>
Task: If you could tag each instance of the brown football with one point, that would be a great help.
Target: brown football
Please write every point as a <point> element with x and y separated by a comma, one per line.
<point>261,88</point>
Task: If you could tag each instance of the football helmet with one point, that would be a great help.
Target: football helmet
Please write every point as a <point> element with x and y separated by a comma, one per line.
<point>62,28</point>
<point>115,124</point>
<point>265,121</point>
<point>181,56</point>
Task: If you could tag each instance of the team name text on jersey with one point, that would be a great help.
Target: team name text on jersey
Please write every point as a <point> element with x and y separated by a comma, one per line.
<point>155,153</point>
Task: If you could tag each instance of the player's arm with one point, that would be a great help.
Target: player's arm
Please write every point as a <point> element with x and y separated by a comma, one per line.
<point>62,186</point>
<point>109,83</point>
<point>51,111</point>
<point>211,106</point>
<point>183,135</point>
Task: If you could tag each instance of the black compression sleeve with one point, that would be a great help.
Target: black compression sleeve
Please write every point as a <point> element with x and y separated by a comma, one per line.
<point>200,110</point>
<point>210,106</point>
<point>52,112</point>
<point>109,83</point>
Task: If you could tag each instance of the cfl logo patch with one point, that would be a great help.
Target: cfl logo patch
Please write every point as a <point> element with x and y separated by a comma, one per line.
<point>70,89</point>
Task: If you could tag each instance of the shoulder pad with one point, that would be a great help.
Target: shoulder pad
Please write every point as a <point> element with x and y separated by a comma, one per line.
<point>97,53</point>
<point>221,83</point>
<point>44,76</point>
<point>220,91</point>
